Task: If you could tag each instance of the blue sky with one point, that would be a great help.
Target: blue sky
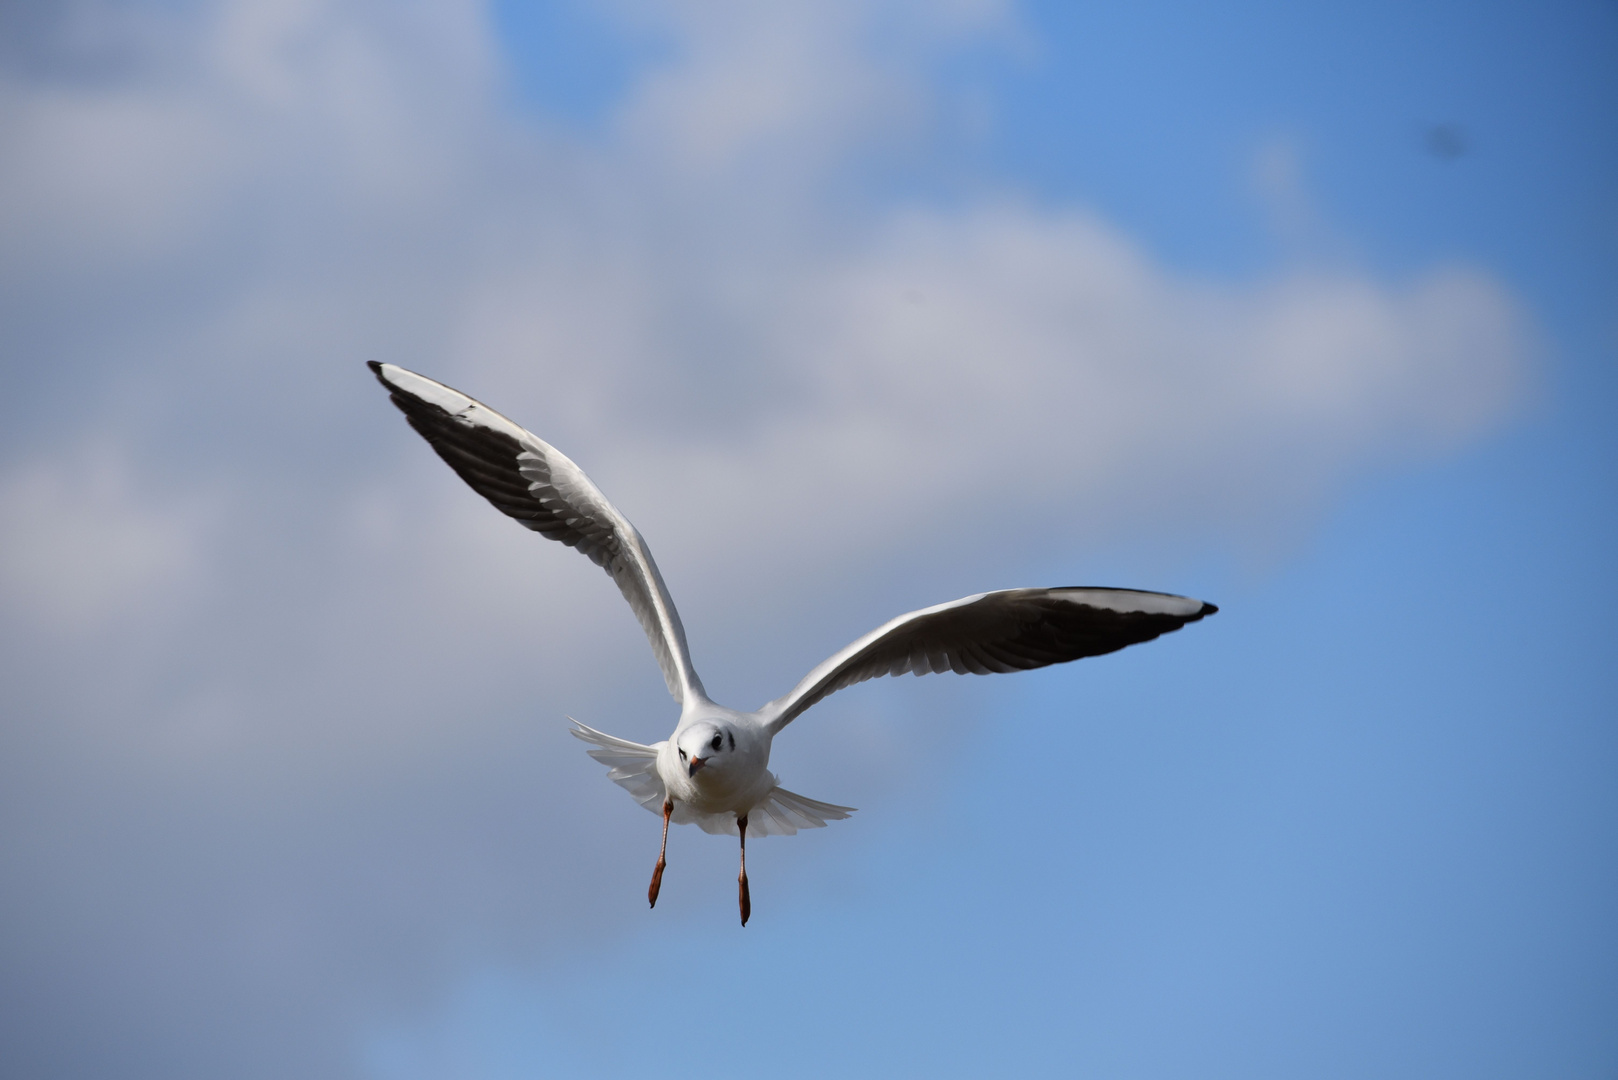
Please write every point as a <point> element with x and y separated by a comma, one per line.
<point>853,308</point>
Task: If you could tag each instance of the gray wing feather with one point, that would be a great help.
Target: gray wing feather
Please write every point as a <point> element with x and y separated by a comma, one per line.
<point>1011,630</point>
<point>533,482</point>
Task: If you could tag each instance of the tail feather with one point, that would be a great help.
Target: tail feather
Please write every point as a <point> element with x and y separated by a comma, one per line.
<point>791,812</point>
<point>780,813</point>
<point>630,765</point>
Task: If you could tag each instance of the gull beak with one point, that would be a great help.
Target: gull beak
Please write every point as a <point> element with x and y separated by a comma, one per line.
<point>696,763</point>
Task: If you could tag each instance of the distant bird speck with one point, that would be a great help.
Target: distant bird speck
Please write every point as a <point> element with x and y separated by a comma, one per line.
<point>1446,141</point>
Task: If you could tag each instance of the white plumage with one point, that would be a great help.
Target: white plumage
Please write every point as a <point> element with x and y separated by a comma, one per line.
<point>713,771</point>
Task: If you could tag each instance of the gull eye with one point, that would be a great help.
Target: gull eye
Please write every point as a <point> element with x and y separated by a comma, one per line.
<point>717,742</point>
<point>682,755</point>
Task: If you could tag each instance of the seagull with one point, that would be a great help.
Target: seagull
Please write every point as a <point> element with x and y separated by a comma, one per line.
<point>713,771</point>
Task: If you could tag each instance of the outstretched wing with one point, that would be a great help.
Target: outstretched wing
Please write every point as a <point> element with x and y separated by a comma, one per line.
<point>1012,630</point>
<point>528,479</point>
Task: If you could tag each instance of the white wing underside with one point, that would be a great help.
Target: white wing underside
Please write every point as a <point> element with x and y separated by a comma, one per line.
<point>633,767</point>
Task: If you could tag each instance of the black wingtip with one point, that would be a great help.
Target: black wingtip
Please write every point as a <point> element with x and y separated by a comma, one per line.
<point>391,388</point>
<point>1207,609</point>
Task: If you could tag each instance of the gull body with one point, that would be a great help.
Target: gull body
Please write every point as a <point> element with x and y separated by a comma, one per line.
<point>717,761</point>
<point>713,771</point>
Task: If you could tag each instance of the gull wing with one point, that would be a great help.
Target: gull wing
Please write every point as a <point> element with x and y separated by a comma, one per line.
<point>1011,630</point>
<point>528,479</point>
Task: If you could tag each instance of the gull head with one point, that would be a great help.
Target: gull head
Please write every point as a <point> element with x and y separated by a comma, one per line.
<point>704,747</point>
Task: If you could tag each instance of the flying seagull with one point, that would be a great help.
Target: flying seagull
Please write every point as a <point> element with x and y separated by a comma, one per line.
<point>714,770</point>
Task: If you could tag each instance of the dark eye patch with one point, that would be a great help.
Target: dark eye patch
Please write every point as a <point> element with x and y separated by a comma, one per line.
<point>716,742</point>
<point>731,735</point>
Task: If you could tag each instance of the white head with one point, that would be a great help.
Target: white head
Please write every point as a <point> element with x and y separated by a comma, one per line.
<point>706,746</point>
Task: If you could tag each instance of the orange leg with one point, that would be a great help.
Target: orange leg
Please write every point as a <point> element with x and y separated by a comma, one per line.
<point>742,896</point>
<point>657,874</point>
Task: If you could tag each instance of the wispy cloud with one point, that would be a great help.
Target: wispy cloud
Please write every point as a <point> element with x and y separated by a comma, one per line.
<point>80,546</point>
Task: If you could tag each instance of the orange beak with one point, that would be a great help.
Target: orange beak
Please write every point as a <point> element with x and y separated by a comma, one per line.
<point>696,763</point>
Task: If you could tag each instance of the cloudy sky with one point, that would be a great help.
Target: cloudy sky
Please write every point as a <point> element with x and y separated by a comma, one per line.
<point>853,307</point>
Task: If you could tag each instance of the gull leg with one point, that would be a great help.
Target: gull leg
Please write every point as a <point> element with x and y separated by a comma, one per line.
<point>742,897</point>
<point>657,874</point>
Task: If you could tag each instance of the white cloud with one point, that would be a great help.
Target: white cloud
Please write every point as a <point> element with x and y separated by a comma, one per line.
<point>785,90</point>
<point>1036,357</point>
<point>82,542</point>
